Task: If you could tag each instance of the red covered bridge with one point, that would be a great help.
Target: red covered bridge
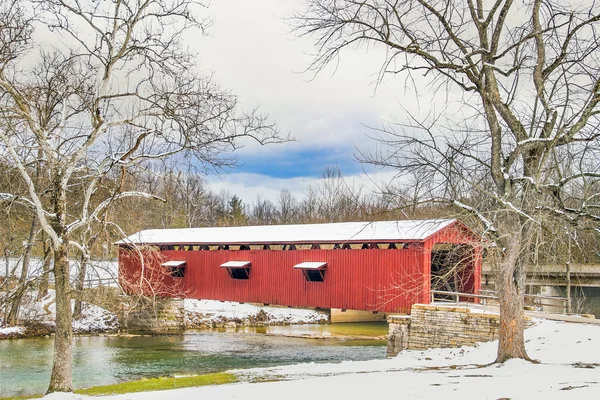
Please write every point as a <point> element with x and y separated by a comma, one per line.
<point>377,266</point>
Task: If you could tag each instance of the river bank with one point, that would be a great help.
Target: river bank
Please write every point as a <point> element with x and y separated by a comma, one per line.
<point>38,317</point>
<point>567,368</point>
<point>111,359</point>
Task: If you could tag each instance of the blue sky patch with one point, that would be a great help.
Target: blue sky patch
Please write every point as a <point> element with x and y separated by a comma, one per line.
<point>298,163</point>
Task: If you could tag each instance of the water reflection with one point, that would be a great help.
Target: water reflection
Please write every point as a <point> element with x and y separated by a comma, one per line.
<point>25,364</point>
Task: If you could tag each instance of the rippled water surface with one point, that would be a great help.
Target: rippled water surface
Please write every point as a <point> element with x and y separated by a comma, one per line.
<point>25,364</point>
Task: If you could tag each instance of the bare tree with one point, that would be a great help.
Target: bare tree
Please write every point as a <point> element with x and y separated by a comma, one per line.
<point>194,198</point>
<point>521,147</point>
<point>13,315</point>
<point>119,88</point>
<point>338,200</point>
<point>262,212</point>
<point>308,206</point>
<point>286,207</point>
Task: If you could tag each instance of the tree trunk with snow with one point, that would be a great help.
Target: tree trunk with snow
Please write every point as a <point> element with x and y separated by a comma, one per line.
<point>511,290</point>
<point>61,377</point>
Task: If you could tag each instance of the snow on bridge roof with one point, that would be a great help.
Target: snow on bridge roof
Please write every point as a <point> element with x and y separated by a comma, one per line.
<point>309,233</point>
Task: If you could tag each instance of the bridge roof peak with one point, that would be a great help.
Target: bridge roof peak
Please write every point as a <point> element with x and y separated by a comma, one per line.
<point>384,231</point>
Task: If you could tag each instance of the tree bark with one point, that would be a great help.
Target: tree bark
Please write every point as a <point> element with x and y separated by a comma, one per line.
<point>511,296</point>
<point>60,380</point>
<point>13,315</point>
<point>568,268</point>
<point>43,286</point>
<point>79,285</point>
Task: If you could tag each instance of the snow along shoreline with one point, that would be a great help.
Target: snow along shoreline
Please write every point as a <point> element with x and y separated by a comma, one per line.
<point>569,364</point>
<point>198,314</point>
<point>214,314</point>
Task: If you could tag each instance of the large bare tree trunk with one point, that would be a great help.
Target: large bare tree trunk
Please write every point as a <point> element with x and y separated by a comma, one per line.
<point>60,380</point>
<point>511,276</point>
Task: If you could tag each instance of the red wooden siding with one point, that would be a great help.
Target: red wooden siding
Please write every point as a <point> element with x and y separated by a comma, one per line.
<point>387,280</point>
<point>372,279</point>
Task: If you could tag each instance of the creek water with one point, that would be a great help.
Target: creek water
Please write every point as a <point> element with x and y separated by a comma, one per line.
<point>25,364</point>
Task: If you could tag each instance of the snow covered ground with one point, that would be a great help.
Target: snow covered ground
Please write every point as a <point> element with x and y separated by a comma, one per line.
<point>104,271</point>
<point>39,318</point>
<point>569,356</point>
<point>202,313</point>
<point>12,332</point>
<point>198,314</point>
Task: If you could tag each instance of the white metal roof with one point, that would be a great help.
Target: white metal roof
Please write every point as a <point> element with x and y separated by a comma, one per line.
<point>235,264</point>
<point>173,264</point>
<point>309,233</point>
<point>311,265</point>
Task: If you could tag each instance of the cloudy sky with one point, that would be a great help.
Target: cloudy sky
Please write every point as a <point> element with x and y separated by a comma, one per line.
<point>252,52</point>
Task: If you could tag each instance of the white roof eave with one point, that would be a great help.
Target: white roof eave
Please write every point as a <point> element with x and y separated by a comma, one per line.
<point>310,233</point>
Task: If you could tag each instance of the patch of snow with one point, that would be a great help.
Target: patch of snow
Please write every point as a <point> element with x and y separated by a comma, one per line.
<point>11,331</point>
<point>65,396</point>
<point>547,341</point>
<point>94,319</point>
<point>212,313</point>
<point>535,140</point>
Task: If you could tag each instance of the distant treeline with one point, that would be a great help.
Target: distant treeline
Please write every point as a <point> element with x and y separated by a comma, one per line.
<point>185,200</point>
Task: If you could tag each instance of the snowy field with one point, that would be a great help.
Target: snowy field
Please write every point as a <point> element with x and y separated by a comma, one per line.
<point>93,319</point>
<point>568,368</point>
<point>98,270</point>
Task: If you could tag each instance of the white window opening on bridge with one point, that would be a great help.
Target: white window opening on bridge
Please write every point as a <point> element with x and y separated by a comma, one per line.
<point>314,271</point>
<point>238,269</point>
<point>175,268</point>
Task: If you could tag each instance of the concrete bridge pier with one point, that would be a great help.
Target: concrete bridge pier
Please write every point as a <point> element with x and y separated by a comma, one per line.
<point>399,326</point>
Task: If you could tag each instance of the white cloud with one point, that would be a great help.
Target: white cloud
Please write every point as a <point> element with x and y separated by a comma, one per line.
<point>249,186</point>
<point>252,52</point>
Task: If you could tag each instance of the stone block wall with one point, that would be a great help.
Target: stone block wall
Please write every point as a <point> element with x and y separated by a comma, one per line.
<point>431,326</point>
<point>155,315</point>
<point>441,326</point>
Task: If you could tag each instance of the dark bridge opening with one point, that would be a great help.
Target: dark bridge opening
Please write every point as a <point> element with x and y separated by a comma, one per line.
<point>452,268</point>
